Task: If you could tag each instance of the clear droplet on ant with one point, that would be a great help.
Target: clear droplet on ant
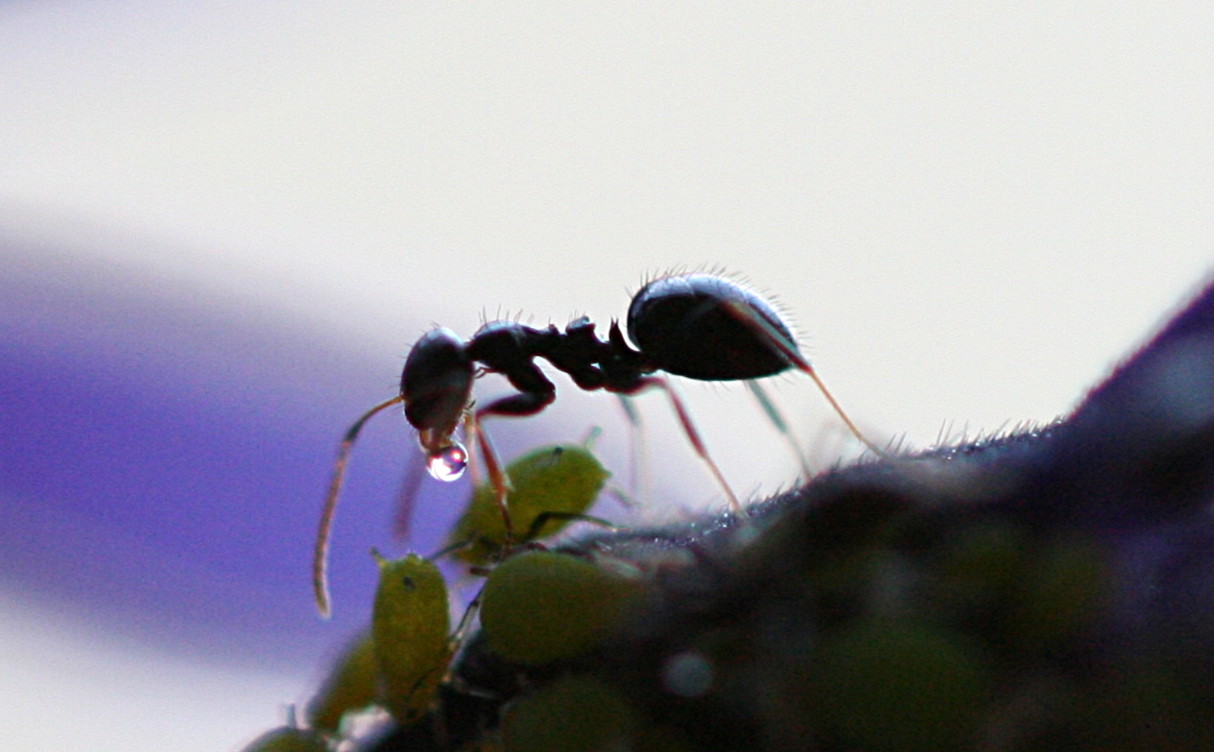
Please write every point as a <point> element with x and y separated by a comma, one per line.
<point>448,463</point>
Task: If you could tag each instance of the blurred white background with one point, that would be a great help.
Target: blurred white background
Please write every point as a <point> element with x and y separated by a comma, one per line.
<point>969,211</point>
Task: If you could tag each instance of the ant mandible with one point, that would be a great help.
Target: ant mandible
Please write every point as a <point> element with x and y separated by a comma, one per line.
<point>701,326</point>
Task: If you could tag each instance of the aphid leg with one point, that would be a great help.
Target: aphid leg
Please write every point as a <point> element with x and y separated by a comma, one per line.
<point>777,419</point>
<point>592,437</point>
<point>450,548</point>
<point>497,476</point>
<point>621,496</point>
<point>320,554</point>
<point>786,348</point>
<point>693,436</point>
<point>543,518</point>
<point>456,640</point>
<point>465,622</point>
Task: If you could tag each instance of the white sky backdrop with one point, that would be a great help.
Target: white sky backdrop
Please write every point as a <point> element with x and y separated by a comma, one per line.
<point>970,210</point>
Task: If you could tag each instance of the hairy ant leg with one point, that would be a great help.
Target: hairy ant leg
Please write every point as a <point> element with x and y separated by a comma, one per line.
<point>536,393</point>
<point>693,435</point>
<point>497,477</point>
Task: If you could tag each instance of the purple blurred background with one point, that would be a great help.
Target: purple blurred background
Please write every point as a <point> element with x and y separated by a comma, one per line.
<point>165,455</point>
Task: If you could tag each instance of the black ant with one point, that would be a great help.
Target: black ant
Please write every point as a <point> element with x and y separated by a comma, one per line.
<point>701,326</point>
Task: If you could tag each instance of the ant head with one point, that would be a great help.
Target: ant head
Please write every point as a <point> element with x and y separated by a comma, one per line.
<point>707,327</point>
<point>436,387</point>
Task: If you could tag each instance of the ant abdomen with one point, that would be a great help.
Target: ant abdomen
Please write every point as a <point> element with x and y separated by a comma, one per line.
<point>706,327</point>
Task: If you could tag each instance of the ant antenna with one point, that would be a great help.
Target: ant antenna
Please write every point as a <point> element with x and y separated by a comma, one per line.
<point>320,554</point>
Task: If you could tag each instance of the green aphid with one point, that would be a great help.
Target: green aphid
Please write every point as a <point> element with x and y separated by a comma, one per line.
<point>572,714</point>
<point>288,739</point>
<point>1063,595</point>
<point>558,483</point>
<point>895,685</point>
<point>580,713</point>
<point>540,606</point>
<point>351,686</point>
<point>410,629</point>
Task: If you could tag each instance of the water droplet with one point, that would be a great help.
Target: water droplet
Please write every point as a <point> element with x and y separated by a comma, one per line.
<point>448,464</point>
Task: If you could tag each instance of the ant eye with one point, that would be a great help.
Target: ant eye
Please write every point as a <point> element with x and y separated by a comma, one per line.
<point>448,464</point>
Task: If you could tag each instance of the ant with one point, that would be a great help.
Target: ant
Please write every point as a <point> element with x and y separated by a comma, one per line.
<point>702,326</point>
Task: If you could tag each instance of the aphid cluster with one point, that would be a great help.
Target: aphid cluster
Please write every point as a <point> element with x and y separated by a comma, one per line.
<point>536,606</point>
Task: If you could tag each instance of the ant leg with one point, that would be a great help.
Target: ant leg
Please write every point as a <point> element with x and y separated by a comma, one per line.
<point>693,436</point>
<point>639,480</point>
<point>471,430</point>
<point>521,404</point>
<point>497,476</point>
<point>777,420</point>
<point>789,350</point>
<point>320,554</point>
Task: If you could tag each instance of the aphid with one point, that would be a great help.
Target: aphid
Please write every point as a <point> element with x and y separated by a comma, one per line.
<point>410,631</point>
<point>538,607</point>
<point>701,326</point>
<point>550,487</point>
<point>352,685</point>
<point>398,662</point>
<point>575,713</point>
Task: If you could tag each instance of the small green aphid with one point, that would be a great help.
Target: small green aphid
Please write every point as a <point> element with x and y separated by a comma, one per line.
<point>410,629</point>
<point>894,684</point>
<point>572,714</point>
<point>549,488</point>
<point>538,607</point>
<point>351,686</point>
